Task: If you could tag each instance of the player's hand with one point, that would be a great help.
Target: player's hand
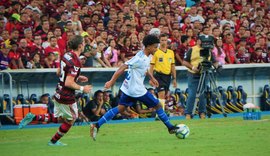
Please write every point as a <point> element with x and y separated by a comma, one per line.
<point>153,82</point>
<point>82,78</point>
<point>87,89</point>
<point>174,83</point>
<point>108,85</point>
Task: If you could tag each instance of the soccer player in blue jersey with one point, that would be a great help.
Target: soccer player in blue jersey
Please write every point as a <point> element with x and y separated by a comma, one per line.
<point>133,87</point>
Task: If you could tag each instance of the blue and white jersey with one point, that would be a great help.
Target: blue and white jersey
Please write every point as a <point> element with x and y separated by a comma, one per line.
<point>133,84</point>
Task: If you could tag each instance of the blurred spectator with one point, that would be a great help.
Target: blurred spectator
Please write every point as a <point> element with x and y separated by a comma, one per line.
<point>219,52</point>
<point>24,51</point>
<point>4,36</point>
<point>60,41</point>
<point>50,60</point>
<point>37,47</point>
<point>4,59</point>
<point>15,56</point>
<point>34,61</point>
<point>63,20</point>
<point>135,46</point>
<point>28,35</point>
<point>182,49</point>
<point>53,47</point>
<point>258,56</point>
<point>14,35</point>
<point>242,55</point>
<point>12,23</point>
<point>98,58</point>
<point>229,48</point>
<point>170,105</point>
<point>94,109</point>
<point>111,54</point>
<point>82,60</point>
<point>267,59</point>
<point>190,35</point>
<point>45,28</point>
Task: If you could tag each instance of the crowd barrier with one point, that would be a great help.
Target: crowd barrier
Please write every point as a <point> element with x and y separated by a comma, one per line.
<point>253,78</point>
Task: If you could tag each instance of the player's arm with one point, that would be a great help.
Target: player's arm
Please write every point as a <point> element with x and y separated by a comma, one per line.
<point>70,83</point>
<point>115,76</point>
<point>151,70</point>
<point>153,82</point>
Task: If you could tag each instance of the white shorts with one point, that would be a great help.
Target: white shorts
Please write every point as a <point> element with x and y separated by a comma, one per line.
<point>69,112</point>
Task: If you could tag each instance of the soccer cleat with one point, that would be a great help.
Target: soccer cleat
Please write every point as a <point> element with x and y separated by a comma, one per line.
<point>93,131</point>
<point>26,120</point>
<point>58,143</point>
<point>173,129</point>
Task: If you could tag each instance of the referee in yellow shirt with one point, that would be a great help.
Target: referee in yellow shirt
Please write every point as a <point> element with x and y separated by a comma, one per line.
<point>163,68</point>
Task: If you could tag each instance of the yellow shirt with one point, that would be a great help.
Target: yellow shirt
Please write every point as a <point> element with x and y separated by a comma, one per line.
<point>163,61</point>
<point>193,57</point>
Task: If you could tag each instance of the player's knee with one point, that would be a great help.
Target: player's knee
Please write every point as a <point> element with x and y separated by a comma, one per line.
<point>121,108</point>
<point>158,106</point>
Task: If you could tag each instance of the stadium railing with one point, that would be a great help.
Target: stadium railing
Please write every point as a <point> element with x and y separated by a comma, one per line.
<point>252,77</point>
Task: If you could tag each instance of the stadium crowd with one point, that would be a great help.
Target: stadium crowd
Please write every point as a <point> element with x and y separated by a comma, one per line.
<point>34,33</point>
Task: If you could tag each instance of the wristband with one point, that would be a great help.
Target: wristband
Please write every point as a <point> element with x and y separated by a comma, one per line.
<point>82,88</point>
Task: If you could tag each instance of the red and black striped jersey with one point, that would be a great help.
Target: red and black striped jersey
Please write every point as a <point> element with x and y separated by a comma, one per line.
<point>70,65</point>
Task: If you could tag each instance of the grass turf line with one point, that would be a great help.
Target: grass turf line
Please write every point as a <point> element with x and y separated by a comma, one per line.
<point>217,137</point>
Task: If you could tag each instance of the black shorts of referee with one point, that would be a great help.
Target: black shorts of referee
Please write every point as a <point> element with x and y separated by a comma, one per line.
<point>164,81</point>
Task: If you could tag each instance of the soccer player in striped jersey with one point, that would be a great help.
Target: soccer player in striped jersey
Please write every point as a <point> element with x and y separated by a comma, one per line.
<point>65,107</point>
<point>133,87</point>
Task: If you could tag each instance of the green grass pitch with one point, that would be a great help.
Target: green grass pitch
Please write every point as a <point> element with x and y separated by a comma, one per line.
<point>210,137</point>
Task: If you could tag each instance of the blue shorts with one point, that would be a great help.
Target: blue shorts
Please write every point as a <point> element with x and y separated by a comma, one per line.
<point>148,99</point>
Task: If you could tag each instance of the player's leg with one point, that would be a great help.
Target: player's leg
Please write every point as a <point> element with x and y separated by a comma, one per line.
<point>125,101</point>
<point>26,120</point>
<point>41,118</point>
<point>151,101</point>
<point>68,114</point>
<point>105,118</point>
<point>161,96</point>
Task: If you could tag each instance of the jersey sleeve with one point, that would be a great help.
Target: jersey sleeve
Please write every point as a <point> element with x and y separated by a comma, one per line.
<point>154,59</point>
<point>69,66</point>
<point>133,62</point>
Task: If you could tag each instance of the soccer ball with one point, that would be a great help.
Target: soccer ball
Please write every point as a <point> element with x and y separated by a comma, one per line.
<point>154,31</point>
<point>182,132</point>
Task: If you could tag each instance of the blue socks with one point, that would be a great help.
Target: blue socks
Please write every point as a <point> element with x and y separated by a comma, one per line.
<point>112,112</point>
<point>164,118</point>
<point>108,116</point>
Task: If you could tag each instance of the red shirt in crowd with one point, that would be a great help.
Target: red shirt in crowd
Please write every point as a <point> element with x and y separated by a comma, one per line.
<point>243,58</point>
<point>230,52</point>
<point>14,56</point>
